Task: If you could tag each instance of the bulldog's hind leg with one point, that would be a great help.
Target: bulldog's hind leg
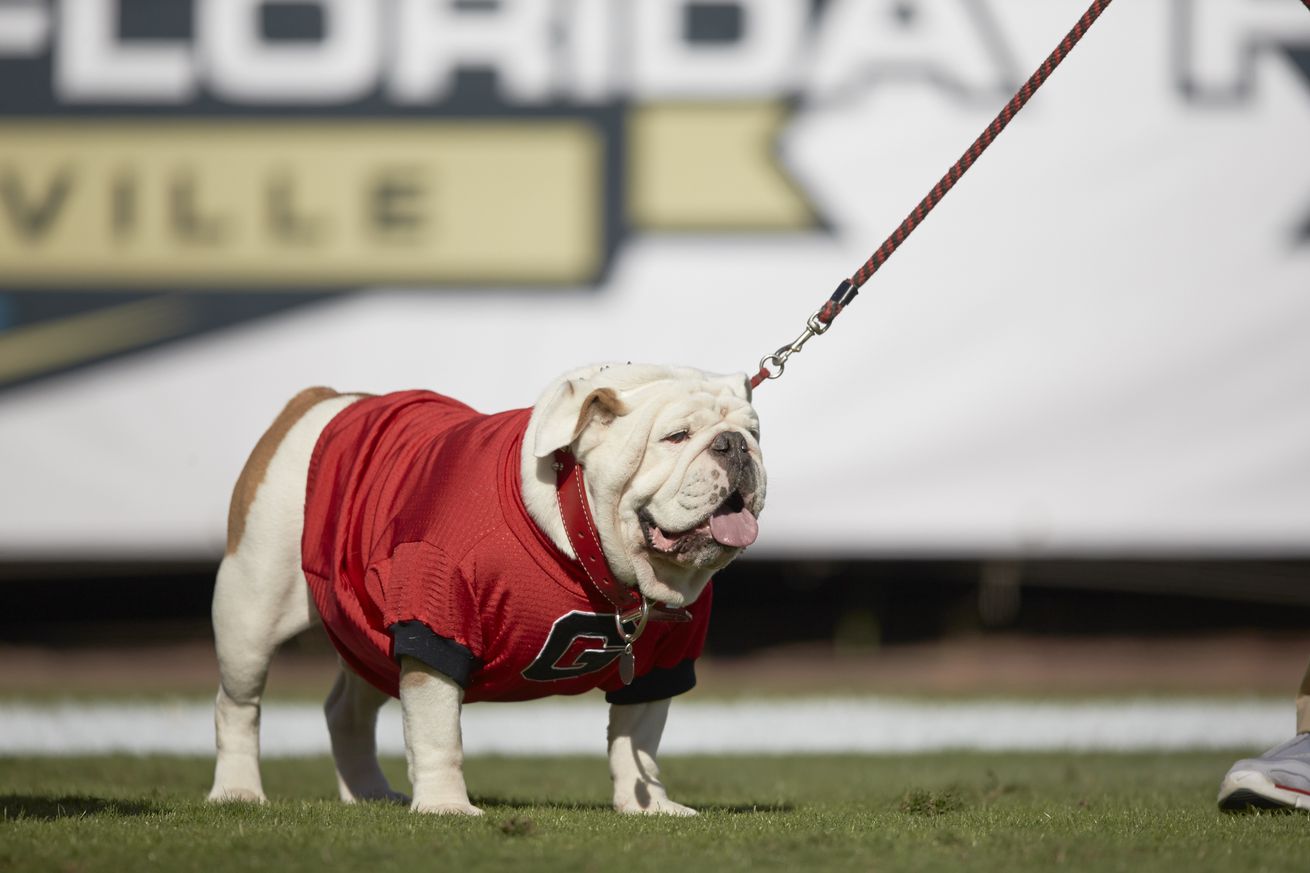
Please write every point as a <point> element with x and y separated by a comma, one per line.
<point>245,638</point>
<point>352,718</point>
<point>261,598</point>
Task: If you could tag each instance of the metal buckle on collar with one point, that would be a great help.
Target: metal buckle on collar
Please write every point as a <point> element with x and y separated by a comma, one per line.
<point>639,614</point>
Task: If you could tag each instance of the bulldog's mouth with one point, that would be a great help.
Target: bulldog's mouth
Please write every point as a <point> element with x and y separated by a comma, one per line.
<point>731,525</point>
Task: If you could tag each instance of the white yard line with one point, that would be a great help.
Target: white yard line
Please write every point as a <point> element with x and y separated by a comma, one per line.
<point>557,727</point>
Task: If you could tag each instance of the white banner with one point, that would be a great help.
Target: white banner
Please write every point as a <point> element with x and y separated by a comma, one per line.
<point>1099,343</point>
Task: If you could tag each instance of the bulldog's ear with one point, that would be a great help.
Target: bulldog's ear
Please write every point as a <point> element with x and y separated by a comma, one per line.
<point>747,392</point>
<point>738,383</point>
<point>563,417</point>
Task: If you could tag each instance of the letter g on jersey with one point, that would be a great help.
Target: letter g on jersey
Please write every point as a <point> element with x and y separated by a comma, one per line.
<point>566,652</point>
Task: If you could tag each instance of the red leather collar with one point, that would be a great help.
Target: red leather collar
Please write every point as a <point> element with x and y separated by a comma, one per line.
<point>570,488</point>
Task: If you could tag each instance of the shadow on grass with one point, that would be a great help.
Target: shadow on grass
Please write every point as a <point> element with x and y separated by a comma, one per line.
<point>729,808</point>
<point>45,808</point>
<point>746,808</point>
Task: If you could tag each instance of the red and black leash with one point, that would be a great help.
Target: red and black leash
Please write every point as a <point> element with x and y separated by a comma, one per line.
<point>822,319</point>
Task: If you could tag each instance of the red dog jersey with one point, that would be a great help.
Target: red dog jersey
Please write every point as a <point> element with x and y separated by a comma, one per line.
<point>414,514</point>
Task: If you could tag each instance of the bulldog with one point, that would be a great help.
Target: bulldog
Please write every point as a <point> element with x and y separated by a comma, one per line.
<point>455,557</point>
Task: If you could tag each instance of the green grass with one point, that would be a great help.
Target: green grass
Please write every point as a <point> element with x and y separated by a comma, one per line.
<point>927,812</point>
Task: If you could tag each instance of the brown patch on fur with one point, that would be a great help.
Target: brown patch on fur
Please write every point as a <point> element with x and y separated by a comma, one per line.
<point>252,475</point>
<point>413,672</point>
<point>607,399</point>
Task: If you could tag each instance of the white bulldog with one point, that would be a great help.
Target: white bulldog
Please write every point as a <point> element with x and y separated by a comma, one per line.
<point>674,481</point>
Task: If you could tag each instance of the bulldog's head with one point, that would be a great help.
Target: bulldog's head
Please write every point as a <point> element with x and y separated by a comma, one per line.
<point>673,470</point>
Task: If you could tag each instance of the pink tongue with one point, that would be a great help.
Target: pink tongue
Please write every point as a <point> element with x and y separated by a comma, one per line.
<point>737,529</point>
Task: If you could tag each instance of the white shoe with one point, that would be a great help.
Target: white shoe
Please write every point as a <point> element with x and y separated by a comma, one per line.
<point>1278,779</point>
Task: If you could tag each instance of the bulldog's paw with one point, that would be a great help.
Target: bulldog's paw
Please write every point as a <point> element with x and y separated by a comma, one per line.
<point>656,806</point>
<point>236,795</point>
<point>445,808</point>
<point>383,796</point>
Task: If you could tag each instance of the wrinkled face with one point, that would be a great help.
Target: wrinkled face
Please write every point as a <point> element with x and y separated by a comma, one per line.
<point>701,484</point>
<point>674,474</point>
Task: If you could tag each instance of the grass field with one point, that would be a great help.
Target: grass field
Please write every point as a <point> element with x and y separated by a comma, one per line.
<point>925,812</point>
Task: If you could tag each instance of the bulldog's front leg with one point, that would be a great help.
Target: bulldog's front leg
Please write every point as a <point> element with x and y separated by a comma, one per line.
<point>430,704</point>
<point>634,740</point>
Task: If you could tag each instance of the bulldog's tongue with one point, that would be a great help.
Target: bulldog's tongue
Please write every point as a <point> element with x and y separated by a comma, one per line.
<point>737,529</point>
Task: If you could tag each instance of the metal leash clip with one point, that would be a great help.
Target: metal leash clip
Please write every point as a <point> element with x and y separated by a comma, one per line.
<point>818,323</point>
<point>813,327</point>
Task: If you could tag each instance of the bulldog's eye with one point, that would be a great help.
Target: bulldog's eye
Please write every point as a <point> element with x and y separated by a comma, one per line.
<point>677,437</point>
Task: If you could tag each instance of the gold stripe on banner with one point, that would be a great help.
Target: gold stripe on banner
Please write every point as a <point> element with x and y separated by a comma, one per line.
<point>227,204</point>
<point>711,166</point>
<point>64,342</point>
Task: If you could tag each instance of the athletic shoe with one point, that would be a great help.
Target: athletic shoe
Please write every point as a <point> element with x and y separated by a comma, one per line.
<point>1278,779</point>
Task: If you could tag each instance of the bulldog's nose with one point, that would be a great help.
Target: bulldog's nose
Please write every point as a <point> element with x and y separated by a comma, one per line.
<point>730,443</point>
<point>732,453</point>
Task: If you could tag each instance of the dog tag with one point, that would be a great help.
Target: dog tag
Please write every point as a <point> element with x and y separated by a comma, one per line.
<point>627,665</point>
